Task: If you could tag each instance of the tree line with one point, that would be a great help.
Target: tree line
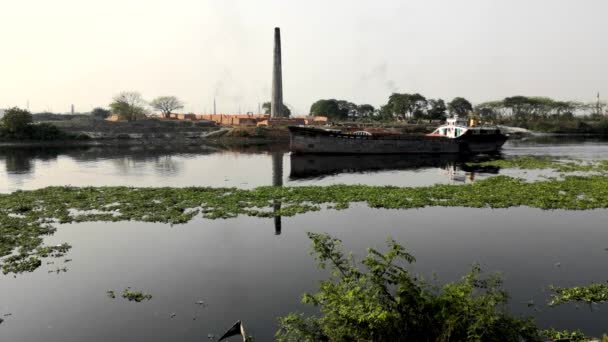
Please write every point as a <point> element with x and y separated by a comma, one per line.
<point>415,106</point>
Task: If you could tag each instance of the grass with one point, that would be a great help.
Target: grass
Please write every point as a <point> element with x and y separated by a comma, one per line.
<point>27,216</point>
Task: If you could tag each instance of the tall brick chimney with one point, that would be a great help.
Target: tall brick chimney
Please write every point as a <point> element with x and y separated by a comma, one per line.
<point>276,103</point>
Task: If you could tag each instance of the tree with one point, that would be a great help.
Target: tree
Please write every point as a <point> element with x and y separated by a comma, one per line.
<point>365,110</point>
<point>405,105</point>
<point>347,108</point>
<point>416,105</point>
<point>460,106</point>
<point>100,113</point>
<point>266,107</point>
<point>436,109</point>
<point>329,108</point>
<point>166,104</point>
<point>16,120</point>
<point>378,299</point>
<point>129,105</point>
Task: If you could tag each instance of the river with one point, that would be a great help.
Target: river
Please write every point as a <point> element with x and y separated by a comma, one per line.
<point>256,269</point>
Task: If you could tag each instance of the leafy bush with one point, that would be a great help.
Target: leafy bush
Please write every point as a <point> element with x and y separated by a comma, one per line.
<point>15,120</point>
<point>387,303</point>
<point>17,125</point>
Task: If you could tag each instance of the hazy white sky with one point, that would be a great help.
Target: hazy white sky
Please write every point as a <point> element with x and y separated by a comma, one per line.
<point>59,52</point>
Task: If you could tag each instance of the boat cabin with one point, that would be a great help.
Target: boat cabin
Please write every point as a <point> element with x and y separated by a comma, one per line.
<point>456,127</point>
<point>453,128</point>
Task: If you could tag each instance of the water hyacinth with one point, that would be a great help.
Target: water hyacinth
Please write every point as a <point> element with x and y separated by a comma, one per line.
<point>593,293</point>
<point>27,216</point>
<point>559,164</point>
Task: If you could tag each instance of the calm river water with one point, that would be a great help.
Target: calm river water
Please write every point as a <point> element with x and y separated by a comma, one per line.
<point>256,269</point>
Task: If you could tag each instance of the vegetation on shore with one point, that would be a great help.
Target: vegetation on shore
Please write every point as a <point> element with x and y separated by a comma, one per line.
<point>541,114</point>
<point>17,125</point>
<point>378,299</point>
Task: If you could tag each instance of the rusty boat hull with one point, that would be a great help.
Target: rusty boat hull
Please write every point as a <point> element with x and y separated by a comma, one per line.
<point>312,140</point>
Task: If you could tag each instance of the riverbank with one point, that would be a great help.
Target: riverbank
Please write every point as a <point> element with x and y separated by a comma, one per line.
<point>155,132</point>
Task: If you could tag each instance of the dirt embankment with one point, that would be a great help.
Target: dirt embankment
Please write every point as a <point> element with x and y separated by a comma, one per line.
<point>156,132</point>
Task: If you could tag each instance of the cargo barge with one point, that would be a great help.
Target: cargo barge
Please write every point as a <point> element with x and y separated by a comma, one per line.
<point>457,136</point>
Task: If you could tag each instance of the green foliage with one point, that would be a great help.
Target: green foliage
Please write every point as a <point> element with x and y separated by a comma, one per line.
<point>565,335</point>
<point>135,296</point>
<point>129,106</point>
<point>593,293</point>
<point>25,216</point>
<point>546,162</point>
<point>267,108</point>
<point>436,110</point>
<point>17,124</point>
<point>365,110</point>
<point>329,108</point>
<point>380,300</point>
<point>100,113</point>
<point>16,120</point>
<point>405,105</point>
<point>460,106</point>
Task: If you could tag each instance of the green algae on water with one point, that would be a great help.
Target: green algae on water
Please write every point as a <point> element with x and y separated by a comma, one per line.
<point>27,216</point>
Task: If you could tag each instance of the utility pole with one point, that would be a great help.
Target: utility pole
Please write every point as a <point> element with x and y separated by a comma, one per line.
<point>72,109</point>
<point>214,111</point>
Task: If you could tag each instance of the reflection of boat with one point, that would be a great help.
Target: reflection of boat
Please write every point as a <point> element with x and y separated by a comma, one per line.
<point>310,165</point>
<point>457,137</point>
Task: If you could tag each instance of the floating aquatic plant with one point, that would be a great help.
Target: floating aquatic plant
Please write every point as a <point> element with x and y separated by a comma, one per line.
<point>593,293</point>
<point>27,216</point>
<point>559,164</point>
<point>565,335</point>
<point>135,296</point>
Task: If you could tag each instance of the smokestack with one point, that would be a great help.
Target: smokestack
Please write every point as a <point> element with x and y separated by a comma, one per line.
<point>276,103</point>
<point>214,112</point>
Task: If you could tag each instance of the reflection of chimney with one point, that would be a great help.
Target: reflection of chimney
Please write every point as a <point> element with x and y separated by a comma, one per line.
<point>276,103</point>
<point>277,180</point>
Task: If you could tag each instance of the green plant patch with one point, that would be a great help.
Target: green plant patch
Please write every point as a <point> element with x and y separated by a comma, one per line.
<point>565,335</point>
<point>593,293</point>
<point>135,296</point>
<point>559,164</point>
<point>27,216</point>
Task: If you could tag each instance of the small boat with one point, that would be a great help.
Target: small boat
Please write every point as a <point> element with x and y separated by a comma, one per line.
<point>456,136</point>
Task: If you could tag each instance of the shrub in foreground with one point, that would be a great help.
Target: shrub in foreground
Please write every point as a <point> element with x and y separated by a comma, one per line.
<point>379,300</point>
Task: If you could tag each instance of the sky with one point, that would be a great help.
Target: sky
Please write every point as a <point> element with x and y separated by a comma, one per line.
<point>83,52</point>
